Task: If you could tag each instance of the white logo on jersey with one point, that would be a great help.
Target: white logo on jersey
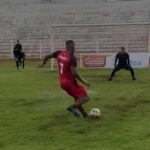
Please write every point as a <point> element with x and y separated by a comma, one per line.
<point>63,58</point>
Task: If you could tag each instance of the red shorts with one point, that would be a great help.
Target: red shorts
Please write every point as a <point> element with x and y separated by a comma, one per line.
<point>74,89</point>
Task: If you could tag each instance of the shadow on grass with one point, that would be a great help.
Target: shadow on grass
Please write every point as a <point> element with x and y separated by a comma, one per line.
<point>129,105</point>
<point>2,145</point>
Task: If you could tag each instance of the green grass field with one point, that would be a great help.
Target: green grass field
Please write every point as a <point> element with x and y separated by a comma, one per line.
<point>33,112</point>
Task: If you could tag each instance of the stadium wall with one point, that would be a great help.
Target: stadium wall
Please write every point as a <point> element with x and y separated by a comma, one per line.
<point>30,20</point>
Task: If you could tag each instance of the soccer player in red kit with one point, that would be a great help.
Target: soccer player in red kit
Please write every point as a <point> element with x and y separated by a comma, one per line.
<point>68,75</point>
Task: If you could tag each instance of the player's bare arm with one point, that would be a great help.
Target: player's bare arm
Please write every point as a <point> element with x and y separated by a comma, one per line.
<point>47,57</point>
<point>78,77</point>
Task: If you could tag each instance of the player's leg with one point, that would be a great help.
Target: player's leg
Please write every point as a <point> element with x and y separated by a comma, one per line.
<point>83,112</point>
<point>23,64</point>
<point>67,87</point>
<point>20,62</point>
<point>128,67</point>
<point>23,60</point>
<point>80,96</point>
<point>78,105</point>
<point>117,68</point>
<point>19,58</point>
<point>16,59</point>
<point>81,100</point>
<point>17,62</point>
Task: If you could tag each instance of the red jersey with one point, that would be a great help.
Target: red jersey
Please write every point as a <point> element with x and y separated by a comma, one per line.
<point>67,81</point>
<point>65,60</point>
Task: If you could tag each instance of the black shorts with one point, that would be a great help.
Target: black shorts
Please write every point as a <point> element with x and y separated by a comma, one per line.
<point>120,66</point>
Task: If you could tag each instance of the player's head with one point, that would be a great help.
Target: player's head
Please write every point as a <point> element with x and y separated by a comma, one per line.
<point>70,46</point>
<point>18,42</point>
<point>122,50</point>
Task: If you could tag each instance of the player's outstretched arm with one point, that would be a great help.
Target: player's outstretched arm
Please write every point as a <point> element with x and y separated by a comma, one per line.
<point>78,77</point>
<point>46,58</point>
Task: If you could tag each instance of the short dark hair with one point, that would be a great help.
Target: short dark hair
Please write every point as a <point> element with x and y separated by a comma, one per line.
<point>122,47</point>
<point>69,42</point>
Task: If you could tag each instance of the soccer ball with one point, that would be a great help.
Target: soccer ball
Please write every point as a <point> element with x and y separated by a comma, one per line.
<point>95,113</point>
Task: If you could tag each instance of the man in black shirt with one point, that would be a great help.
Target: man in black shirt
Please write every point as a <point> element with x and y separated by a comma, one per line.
<point>123,63</point>
<point>19,55</point>
<point>18,47</point>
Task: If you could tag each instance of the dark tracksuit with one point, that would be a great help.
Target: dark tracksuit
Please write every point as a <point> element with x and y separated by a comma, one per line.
<point>19,55</point>
<point>123,63</point>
